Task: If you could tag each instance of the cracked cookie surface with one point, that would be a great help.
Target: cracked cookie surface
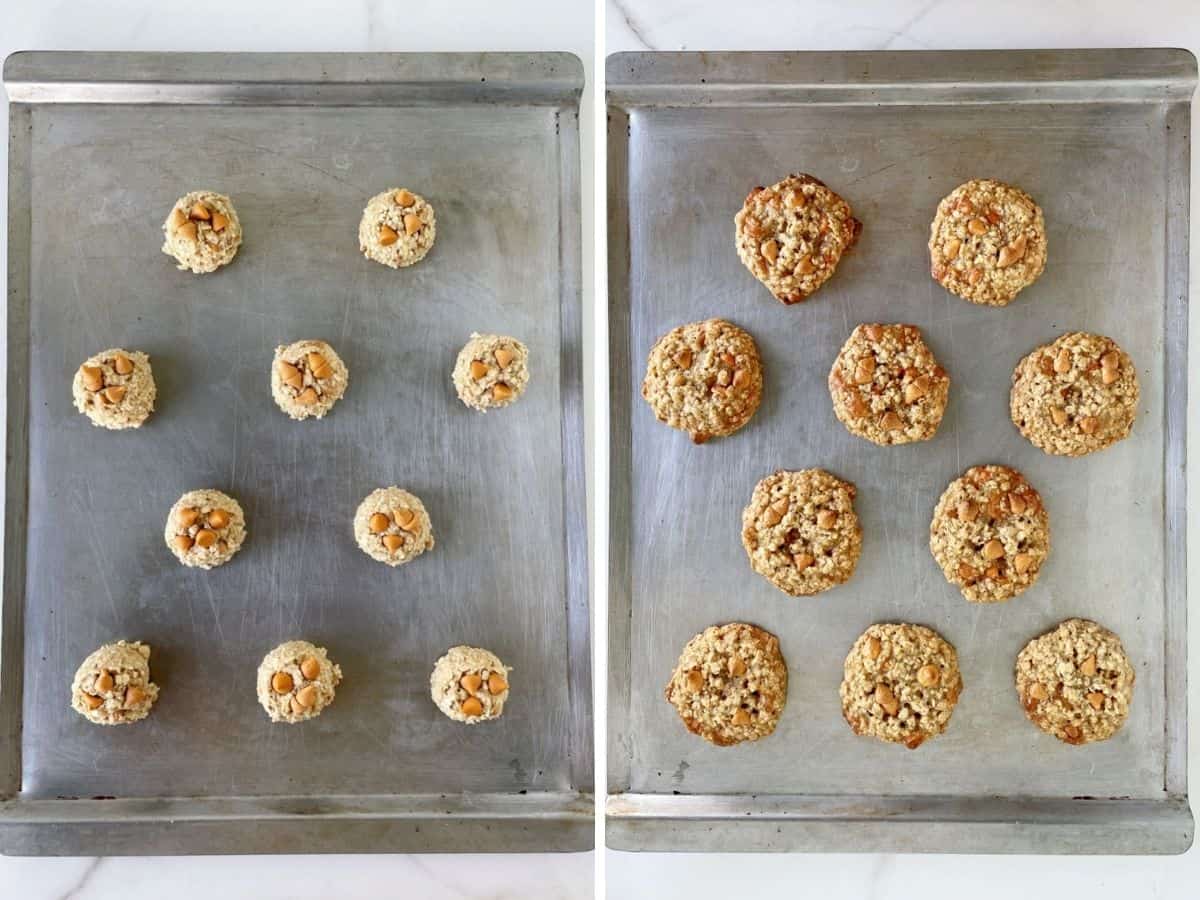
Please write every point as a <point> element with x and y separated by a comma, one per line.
<point>887,385</point>
<point>901,683</point>
<point>296,681</point>
<point>990,533</point>
<point>397,228</point>
<point>307,379</point>
<point>1075,682</point>
<point>730,684</point>
<point>469,684</point>
<point>704,378</point>
<point>115,389</point>
<point>392,526</point>
<point>202,232</point>
<point>1075,395</point>
<point>112,686</point>
<point>205,528</point>
<point>491,371</point>
<point>800,531</point>
<point>987,242</point>
<point>792,235</point>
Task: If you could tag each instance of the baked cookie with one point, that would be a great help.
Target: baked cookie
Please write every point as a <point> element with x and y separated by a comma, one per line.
<point>1075,682</point>
<point>392,526</point>
<point>112,686</point>
<point>115,389</point>
<point>800,531</point>
<point>792,235</point>
<point>397,228</point>
<point>887,386</point>
<point>296,681</point>
<point>990,533</point>
<point>307,378</point>
<point>469,684</point>
<point>730,684</point>
<point>987,242</point>
<point>202,232</point>
<point>205,528</point>
<point>704,378</point>
<point>900,684</point>
<point>1076,395</point>
<point>491,371</point>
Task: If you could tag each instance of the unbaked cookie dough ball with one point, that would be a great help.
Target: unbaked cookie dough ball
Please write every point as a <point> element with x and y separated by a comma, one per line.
<point>112,686</point>
<point>307,378</point>
<point>115,389</point>
<point>202,232</point>
<point>205,528</point>
<point>491,371</point>
<point>392,526</point>
<point>397,228</point>
<point>469,684</point>
<point>296,681</point>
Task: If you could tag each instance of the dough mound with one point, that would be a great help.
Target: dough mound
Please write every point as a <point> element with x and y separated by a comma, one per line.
<point>792,235</point>
<point>205,528</point>
<point>307,379</point>
<point>392,526</point>
<point>491,371</point>
<point>987,242</point>
<point>990,534</point>
<point>115,389</point>
<point>704,378</point>
<point>900,684</point>
<point>112,686</point>
<point>800,531</point>
<point>1076,395</point>
<point>730,684</point>
<point>1075,682</point>
<point>887,386</point>
<point>296,682</point>
<point>202,232</point>
<point>469,684</point>
<point>397,228</point>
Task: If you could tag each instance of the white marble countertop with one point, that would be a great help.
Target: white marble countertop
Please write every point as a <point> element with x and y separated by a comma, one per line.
<point>915,25</point>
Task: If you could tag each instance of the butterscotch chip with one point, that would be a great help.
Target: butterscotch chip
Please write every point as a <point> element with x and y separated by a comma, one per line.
<point>1075,395</point>
<point>296,682</point>
<point>307,379</point>
<point>987,242</point>
<point>997,551</point>
<point>397,228</point>
<point>704,378</point>
<point>202,232</point>
<point>491,371</point>
<point>790,536</point>
<point>900,684</point>
<point>115,389</point>
<point>205,528</point>
<point>792,235</point>
<point>1075,682</point>
<point>887,386</point>
<point>722,707</point>
<point>392,526</point>
<point>112,686</point>
<point>469,684</point>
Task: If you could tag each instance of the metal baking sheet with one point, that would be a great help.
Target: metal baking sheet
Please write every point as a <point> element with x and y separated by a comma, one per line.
<point>101,145</point>
<point>1100,139</point>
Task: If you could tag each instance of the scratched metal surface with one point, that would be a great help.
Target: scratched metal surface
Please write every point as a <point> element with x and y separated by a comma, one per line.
<point>682,168</point>
<point>102,180</point>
